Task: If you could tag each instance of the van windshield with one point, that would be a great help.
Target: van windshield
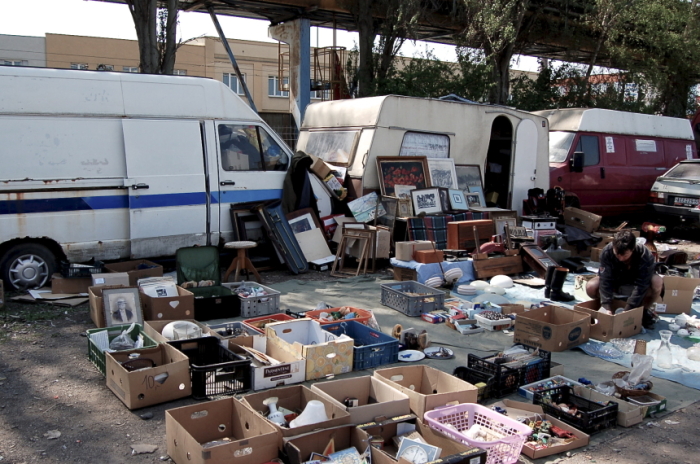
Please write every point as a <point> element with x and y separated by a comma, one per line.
<point>689,171</point>
<point>559,145</point>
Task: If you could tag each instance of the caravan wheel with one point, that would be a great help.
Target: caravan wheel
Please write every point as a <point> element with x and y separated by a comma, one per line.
<point>27,265</point>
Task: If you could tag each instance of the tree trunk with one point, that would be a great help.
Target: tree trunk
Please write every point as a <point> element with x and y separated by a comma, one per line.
<point>154,57</point>
<point>500,75</point>
<point>674,96</point>
<point>367,32</point>
<point>168,58</point>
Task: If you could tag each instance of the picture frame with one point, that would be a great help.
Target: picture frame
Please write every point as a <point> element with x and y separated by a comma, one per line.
<point>457,200</point>
<point>402,170</point>
<point>122,306</point>
<point>479,191</point>
<point>405,208</point>
<point>468,175</point>
<point>442,172</point>
<point>500,224</point>
<point>474,199</point>
<point>445,199</point>
<point>426,201</point>
<point>403,192</point>
<point>303,220</point>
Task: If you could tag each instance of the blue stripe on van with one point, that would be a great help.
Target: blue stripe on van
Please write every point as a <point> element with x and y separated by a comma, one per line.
<point>47,205</point>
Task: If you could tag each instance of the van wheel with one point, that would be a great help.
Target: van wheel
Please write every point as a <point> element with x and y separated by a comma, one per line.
<point>28,265</point>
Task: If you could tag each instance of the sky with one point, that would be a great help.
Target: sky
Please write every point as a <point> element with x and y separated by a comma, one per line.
<point>102,19</point>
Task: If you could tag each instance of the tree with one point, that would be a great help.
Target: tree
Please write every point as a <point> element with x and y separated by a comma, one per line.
<point>156,33</point>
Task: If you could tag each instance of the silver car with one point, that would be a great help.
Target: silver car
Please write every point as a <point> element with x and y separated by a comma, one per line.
<point>677,192</point>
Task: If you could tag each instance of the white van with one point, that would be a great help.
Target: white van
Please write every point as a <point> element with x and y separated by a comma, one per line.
<point>508,146</point>
<point>117,165</point>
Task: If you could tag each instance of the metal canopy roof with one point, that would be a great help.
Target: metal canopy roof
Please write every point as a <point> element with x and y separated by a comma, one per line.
<point>551,42</point>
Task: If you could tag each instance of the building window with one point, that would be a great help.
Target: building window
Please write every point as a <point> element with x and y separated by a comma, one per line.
<point>105,67</point>
<point>273,87</point>
<point>179,72</point>
<point>320,94</point>
<point>14,62</point>
<point>231,81</point>
<point>79,66</point>
<point>131,69</point>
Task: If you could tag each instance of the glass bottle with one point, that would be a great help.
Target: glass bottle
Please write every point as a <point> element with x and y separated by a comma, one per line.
<point>664,360</point>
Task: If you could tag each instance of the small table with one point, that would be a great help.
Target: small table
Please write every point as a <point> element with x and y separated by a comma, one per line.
<point>241,261</point>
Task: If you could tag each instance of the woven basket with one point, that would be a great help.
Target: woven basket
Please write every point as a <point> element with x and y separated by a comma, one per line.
<point>627,393</point>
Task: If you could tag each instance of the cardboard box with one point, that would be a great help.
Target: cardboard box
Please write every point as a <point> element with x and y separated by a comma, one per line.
<point>97,313</point>
<point>324,352</point>
<point>319,167</point>
<point>428,256</point>
<point>169,308</point>
<point>427,388</point>
<point>628,414</point>
<point>154,329</point>
<point>512,308</point>
<point>605,327</point>
<point>132,268</point>
<point>404,250</point>
<point>110,278</point>
<point>655,406</point>
<point>60,284</point>
<point>168,380</point>
<point>451,451</point>
<point>678,295</point>
<point>519,409</point>
<point>575,252</point>
<point>299,448</point>
<point>376,399</point>
<point>490,267</point>
<point>581,219</point>
<point>595,254</point>
<point>291,370</point>
<point>189,428</point>
<point>552,328</point>
<point>295,398</point>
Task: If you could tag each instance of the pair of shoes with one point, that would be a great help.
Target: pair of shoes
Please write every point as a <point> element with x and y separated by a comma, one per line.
<point>554,282</point>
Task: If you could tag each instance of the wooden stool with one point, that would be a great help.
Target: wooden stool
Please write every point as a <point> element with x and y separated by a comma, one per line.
<point>241,262</point>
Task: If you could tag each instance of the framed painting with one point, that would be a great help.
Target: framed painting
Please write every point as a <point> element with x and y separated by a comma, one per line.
<point>468,175</point>
<point>442,172</point>
<point>401,170</point>
<point>474,199</point>
<point>303,220</point>
<point>426,201</point>
<point>457,200</point>
<point>122,306</point>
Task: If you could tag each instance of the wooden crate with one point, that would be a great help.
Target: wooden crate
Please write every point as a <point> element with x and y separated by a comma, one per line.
<point>460,234</point>
<point>490,267</point>
<point>404,273</point>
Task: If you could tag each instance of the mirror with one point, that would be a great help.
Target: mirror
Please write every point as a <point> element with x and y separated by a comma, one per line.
<point>577,162</point>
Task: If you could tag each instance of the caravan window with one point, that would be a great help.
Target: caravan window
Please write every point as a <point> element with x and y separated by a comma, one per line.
<point>249,148</point>
<point>335,147</point>
<point>428,145</point>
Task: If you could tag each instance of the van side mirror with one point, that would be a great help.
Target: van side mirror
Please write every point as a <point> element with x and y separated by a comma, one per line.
<point>577,162</point>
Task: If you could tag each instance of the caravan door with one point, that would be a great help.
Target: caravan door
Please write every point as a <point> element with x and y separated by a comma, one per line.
<point>523,174</point>
<point>165,178</point>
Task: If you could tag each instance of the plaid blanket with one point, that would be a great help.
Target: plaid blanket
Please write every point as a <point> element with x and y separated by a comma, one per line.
<point>434,228</point>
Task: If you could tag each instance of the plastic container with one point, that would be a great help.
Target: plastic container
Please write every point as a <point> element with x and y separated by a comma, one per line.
<point>362,315</point>
<point>412,298</point>
<point>254,306</point>
<point>503,380</point>
<point>493,326</point>
<point>591,417</point>
<point>454,421</point>
<point>258,323</point>
<point>475,377</point>
<point>371,349</point>
<point>97,356</point>
<point>215,370</point>
<point>228,329</point>
<point>69,270</point>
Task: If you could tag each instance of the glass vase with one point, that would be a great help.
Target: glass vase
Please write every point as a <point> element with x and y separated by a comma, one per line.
<point>664,359</point>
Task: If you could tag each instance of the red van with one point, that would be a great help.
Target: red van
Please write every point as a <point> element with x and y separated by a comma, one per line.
<point>610,159</point>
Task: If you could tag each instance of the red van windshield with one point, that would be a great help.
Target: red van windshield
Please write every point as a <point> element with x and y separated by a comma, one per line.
<point>559,145</point>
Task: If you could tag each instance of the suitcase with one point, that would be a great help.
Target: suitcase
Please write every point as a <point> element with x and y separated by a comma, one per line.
<point>202,263</point>
<point>282,236</point>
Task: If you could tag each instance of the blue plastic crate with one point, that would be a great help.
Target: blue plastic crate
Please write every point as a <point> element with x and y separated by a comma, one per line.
<point>372,348</point>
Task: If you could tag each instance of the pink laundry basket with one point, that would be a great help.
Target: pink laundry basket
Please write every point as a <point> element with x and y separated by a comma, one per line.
<point>453,421</point>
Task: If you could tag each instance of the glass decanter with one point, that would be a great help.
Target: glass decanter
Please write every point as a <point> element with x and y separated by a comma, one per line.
<point>664,359</point>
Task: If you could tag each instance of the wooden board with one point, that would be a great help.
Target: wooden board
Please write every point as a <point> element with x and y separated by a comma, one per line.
<point>490,267</point>
<point>460,234</point>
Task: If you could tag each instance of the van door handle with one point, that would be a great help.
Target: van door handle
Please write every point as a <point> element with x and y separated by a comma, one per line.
<point>227,182</point>
<point>602,173</point>
<point>140,186</point>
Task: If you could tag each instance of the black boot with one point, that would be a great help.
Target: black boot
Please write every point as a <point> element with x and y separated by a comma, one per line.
<point>548,281</point>
<point>558,279</point>
<point>649,318</point>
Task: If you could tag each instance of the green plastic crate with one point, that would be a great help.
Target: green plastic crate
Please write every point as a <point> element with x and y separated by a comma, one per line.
<point>97,356</point>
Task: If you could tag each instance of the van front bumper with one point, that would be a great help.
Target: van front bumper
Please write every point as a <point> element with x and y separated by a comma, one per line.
<point>683,212</point>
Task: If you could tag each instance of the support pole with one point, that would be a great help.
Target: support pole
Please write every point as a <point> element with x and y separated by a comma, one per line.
<point>215,20</point>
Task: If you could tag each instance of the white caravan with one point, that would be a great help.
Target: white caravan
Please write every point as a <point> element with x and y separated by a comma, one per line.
<point>117,165</point>
<point>509,146</point>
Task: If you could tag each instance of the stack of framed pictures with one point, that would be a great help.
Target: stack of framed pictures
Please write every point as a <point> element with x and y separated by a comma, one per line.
<point>429,185</point>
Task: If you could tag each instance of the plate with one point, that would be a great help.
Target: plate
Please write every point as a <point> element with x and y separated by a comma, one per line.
<point>411,355</point>
<point>434,352</point>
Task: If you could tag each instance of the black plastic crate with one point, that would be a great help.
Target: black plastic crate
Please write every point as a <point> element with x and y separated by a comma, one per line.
<point>536,371</point>
<point>69,270</point>
<point>505,380</point>
<point>215,370</point>
<point>474,377</point>
<point>591,416</point>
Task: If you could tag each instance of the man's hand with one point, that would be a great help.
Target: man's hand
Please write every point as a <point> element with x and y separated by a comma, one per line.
<point>608,306</point>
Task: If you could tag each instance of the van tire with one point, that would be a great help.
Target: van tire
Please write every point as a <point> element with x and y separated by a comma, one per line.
<point>27,265</point>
